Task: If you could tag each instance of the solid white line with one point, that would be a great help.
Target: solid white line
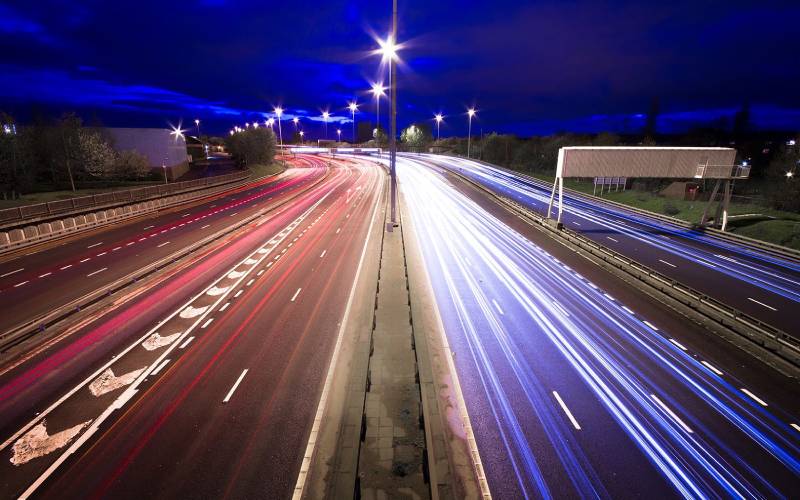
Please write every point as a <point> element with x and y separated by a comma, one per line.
<point>94,245</point>
<point>322,254</point>
<point>96,272</point>
<point>499,309</point>
<point>671,414</point>
<point>761,303</point>
<point>162,244</point>
<point>238,381</point>
<point>12,272</point>
<point>224,307</point>
<point>312,438</point>
<point>45,275</point>
<point>20,284</point>
<point>207,322</point>
<point>650,325</point>
<point>756,398</point>
<point>160,367</point>
<point>680,346</point>
<point>667,263</point>
<point>796,427</point>
<point>296,294</point>
<point>66,267</point>
<point>186,342</point>
<point>566,410</point>
<point>612,239</point>
<point>711,367</point>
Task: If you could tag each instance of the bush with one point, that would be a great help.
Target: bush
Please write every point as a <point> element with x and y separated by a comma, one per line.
<point>671,209</point>
<point>131,165</point>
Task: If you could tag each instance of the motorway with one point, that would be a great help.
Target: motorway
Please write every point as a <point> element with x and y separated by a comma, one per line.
<point>206,384</point>
<point>761,285</point>
<point>49,275</point>
<point>576,385</point>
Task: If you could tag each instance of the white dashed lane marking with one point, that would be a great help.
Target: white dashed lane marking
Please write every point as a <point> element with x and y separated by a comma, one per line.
<point>12,272</point>
<point>235,385</point>
<point>761,304</point>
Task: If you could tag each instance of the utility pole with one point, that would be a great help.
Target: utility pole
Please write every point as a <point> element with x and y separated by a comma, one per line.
<point>393,127</point>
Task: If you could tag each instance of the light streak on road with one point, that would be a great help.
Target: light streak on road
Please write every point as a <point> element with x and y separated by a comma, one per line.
<point>769,273</point>
<point>598,354</point>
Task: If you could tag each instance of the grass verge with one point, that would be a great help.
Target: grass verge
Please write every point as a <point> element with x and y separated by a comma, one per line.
<point>260,170</point>
<point>757,222</point>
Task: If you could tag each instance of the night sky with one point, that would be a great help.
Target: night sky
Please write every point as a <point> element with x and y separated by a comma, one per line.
<point>528,67</point>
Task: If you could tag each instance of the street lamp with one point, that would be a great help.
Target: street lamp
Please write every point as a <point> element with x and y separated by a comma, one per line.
<point>296,121</point>
<point>471,113</point>
<point>301,137</point>
<point>353,107</point>
<point>197,124</point>
<point>377,90</point>
<point>325,116</point>
<point>438,119</point>
<point>339,133</point>
<point>271,122</point>
<point>278,113</point>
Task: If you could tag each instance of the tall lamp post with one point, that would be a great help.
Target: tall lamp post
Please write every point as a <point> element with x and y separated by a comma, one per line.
<point>339,133</point>
<point>278,113</point>
<point>353,107</point>
<point>377,90</point>
<point>438,119</point>
<point>325,116</point>
<point>471,113</point>
<point>301,137</point>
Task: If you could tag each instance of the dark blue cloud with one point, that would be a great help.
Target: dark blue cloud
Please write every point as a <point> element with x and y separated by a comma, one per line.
<point>528,66</point>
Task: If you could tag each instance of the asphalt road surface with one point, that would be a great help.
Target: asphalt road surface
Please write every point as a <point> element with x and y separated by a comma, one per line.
<point>760,285</point>
<point>576,385</point>
<point>207,385</point>
<point>41,278</point>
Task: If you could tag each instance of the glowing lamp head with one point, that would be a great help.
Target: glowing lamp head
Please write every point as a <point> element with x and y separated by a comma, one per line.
<point>296,120</point>
<point>271,121</point>
<point>377,89</point>
<point>231,132</point>
<point>789,175</point>
<point>255,124</point>
<point>338,131</point>
<point>302,133</point>
<point>438,118</point>
<point>278,111</point>
<point>325,114</point>
<point>197,122</point>
<point>388,49</point>
<point>353,107</point>
<point>471,112</point>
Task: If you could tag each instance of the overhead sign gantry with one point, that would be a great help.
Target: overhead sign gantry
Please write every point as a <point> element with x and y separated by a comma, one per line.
<point>651,162</point>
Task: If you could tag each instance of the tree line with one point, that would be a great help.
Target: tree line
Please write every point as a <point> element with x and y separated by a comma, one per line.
<point>61,154</point>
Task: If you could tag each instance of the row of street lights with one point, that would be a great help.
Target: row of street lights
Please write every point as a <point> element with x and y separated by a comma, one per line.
<point>378,90</point>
